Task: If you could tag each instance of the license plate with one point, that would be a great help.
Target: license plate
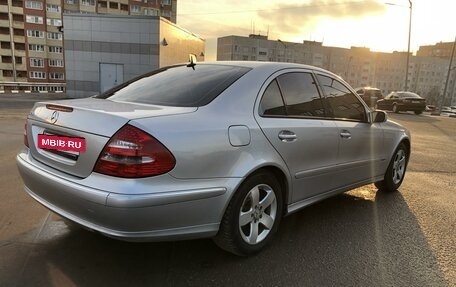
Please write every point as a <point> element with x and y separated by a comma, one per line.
<point>61,143</point>
<point>416,102</point>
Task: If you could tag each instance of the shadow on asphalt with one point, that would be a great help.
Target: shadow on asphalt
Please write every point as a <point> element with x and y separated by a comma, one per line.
<point>347,240</point>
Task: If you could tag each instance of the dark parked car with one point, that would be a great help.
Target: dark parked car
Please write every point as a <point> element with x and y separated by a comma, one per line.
<point>370,95</point>
<point>402,101</point>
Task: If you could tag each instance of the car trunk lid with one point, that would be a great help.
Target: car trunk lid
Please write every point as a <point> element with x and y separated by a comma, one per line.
<point>91,122</point>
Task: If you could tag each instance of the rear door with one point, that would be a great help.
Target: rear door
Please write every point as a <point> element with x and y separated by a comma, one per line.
<point>292,117</point>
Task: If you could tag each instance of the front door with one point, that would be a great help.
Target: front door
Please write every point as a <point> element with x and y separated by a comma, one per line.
<point>360,153</point>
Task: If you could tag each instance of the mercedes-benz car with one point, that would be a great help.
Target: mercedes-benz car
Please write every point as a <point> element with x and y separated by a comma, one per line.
<point>221,150</point>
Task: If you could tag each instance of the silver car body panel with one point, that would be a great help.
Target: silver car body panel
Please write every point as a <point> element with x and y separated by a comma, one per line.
<point>216,147</point>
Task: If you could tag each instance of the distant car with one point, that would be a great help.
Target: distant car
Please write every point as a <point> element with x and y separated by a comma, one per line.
<point>402,101</point>
<point>220,150</point>
<point>370,95</point>
<point>430,108</point>
<point>448,111</point>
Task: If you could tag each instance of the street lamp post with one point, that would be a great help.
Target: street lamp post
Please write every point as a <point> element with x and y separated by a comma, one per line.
<point>408,47</point>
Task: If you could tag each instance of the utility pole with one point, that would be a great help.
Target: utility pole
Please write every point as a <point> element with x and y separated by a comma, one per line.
<point>408,48</point>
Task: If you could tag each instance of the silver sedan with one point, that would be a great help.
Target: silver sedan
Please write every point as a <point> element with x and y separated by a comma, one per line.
<point>220,150</point>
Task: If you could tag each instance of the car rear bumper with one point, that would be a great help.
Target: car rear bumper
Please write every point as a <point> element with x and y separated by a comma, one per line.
<point>156,215</point>
<point>411,107</point>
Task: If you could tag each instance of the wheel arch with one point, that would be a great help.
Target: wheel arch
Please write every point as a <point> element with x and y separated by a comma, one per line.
<point>282,177</point>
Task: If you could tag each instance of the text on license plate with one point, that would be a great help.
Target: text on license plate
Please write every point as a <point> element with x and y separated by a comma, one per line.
<point>416,102</point>
<point>61,143</point>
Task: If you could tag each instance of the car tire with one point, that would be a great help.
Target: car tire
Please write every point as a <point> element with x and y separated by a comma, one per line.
<point>395,109</point>
<point>396,170</point>
<point>418,112</point>
<point>252,216</point>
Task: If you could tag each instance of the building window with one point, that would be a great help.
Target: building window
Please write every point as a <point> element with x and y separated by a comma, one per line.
<point>36,62</point>
<point>54,22</point>
<point>34,5</point>
<point>88,2</point>
<point>165,2</point>
<point>5,45</point>
<point>55,49</point>
<point>55,63</point>
<point>18,18</point>
<point>36,47</point>
<point>165,13</point>
<point>135,9</point>
<point>35,33</point>
<point>69,1</point>
<point>54,36</point>
<point>34,19</point>
<point>154,12</point>
<point>37,75</point>
<point>113,5</point>
<point>7,73</point>
<point>56,76</point>
<point>7,59</point>
<point>52,8</point>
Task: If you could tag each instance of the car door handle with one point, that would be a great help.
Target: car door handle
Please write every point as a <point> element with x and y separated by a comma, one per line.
<point>345,134</point>
<point>287,136</point>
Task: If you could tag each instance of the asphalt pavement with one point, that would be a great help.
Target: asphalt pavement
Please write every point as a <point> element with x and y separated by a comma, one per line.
<point>360,238</point>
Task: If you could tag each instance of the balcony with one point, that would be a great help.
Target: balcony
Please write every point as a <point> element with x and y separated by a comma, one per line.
<point>18,25</point>
<point>4,23</point>
<point>17,10</point>
<point>5,37</point>
<point>19,39</point>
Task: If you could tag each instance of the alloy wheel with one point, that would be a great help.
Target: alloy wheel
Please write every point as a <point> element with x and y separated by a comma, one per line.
<point>258,214</point>
<point>399,166</point>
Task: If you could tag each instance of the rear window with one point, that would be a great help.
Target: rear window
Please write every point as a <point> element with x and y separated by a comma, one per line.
<point>408,95</point>
<point>375,93</point>
<point>179,86</point>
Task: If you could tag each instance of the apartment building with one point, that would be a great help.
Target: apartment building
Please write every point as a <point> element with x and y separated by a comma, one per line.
<point>32,32</point>
<point>359,66</point>
<point>442,50</point>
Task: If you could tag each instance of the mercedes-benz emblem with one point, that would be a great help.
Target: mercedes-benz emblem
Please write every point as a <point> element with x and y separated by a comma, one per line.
<point>54,117</point>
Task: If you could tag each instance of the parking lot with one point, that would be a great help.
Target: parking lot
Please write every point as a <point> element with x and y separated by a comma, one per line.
<point>360,238</point>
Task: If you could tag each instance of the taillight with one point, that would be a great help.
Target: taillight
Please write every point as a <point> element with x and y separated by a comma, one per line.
<point>25,135</point>
<point>133,153</point>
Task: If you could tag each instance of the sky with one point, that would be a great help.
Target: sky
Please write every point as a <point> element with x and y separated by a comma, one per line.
<point>379,25</point>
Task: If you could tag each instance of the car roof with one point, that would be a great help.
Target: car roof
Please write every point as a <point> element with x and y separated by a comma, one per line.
<point>272,66</point>
<point>368,88</point>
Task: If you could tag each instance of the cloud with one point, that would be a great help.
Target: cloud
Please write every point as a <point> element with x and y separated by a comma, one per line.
<point>291,18</point>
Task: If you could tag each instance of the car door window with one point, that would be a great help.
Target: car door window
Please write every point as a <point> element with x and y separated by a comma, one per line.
<point>343,103</point>
<point>301,95</point>
<point>272,103</point>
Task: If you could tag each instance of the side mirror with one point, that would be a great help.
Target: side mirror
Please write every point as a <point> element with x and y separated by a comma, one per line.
<point>378,116</point>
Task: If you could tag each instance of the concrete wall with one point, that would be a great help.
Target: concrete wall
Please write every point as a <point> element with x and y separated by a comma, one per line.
<point>180,43</point>
<point>135,42</point>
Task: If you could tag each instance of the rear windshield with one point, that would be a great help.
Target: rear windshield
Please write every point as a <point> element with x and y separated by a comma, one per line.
<point>408,95</point>
<point>375,93</point>
<point>179,86</point>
